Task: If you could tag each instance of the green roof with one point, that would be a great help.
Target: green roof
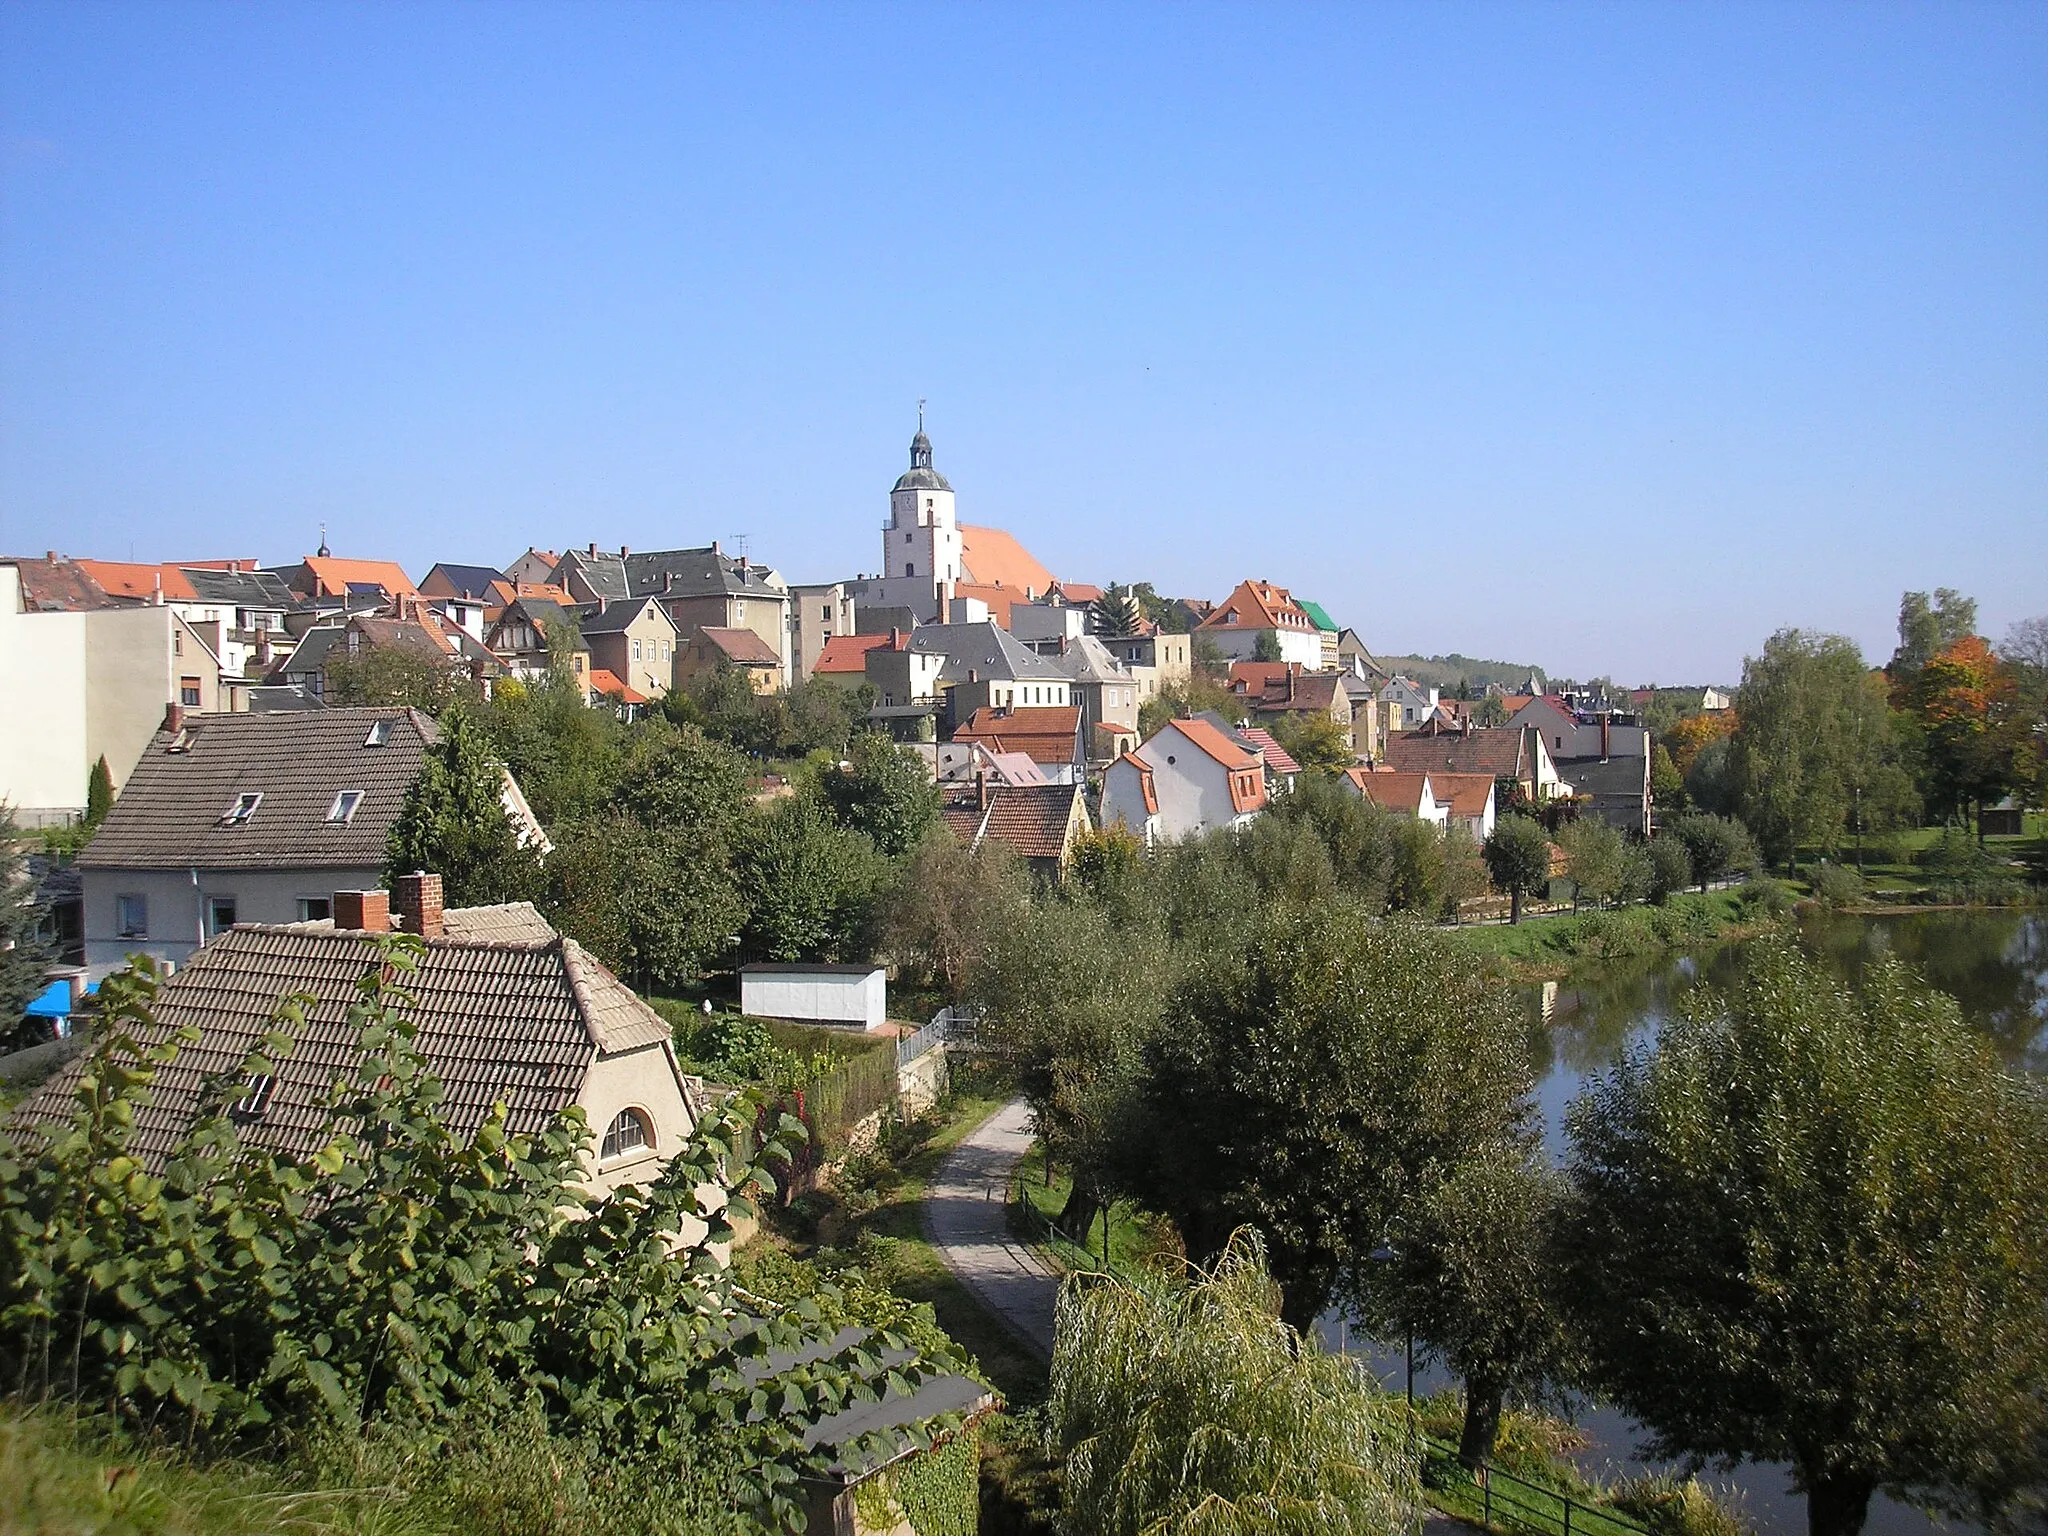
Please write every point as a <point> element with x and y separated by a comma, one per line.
<point>1315,611</point>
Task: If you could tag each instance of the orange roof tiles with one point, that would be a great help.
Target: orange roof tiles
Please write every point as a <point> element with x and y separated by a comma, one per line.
<point>848,654</point>
<point>994,558</point>
<point>1258,605</point>
<point>1465,793</point>
<point>122,578</point>
<point>608,684</point>
<point>1046,734</point>
<point>1396,791</point>
<point>332,577</point>
<point>741,646</point>
<point>1217,745</point>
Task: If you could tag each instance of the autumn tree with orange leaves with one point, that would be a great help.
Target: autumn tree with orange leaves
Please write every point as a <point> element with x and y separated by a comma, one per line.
<point>1977,747</point>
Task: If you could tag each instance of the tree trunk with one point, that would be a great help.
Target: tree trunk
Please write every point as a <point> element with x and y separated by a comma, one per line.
<point>1514,905</point>
<point>1483,1399</point>
<point>1078,1214</point>
<point>1837,1503</point>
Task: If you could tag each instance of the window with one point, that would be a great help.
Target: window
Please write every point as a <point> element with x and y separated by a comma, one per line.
<point>739,609</point>
<point>825,614</point>
<point>131,916</point>
<point>344,807</point>
<point>188,692</point>
<point>313,909</point>
<point>909,569</point>
<point>380,733</point>
<point>629,1132</point>
<point>243,808</point>
<point>906,538</point>
<point>636,650</point>
<point>177,642</point>
<point>220,915</point>
<point>252,1104</point>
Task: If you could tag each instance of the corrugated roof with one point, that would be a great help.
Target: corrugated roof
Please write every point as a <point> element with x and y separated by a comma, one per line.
<point>518,1023</point>
<point>244,589</point>
<point>171,814</point>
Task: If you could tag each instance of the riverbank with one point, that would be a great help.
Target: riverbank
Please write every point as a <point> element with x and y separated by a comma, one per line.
<point>1549,947</point>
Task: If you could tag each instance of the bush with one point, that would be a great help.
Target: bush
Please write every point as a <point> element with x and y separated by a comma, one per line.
<point>1611,936</point>
<point>1764,897</point>
<point>1836,885</point>
<point>1670,868</point>
<point>1678,1506</point>
<point>1963,873</point>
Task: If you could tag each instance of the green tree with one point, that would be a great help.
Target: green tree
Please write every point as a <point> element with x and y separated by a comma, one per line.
<point>946,907</point>
<point>659,905</point>
<point>1811,726</point>
<point>1490,711</point>
<point>1595,857</point>
<point>399,676</point>
<point>885,792</point>
<point>1473,1275</point>
<point>454,824</point>
<point>1198,692</point>
<point>1714,845</point>
<point>1358,836</point>
<point>1418,878</point>
<point>678,778</point>
<point>1117,612</point>
<point>1171,618</point>
<point>1928,627</point>
<point>23,955</point>
<point>1266,646</point>
<point>99,793</point>
<point>1313,1080</point>
<point>1464,869</point>
<point>1670,866</point>
<point>1315,740</point>
<point>1186,1408</point>
<point>1808,1229</point>
<point>811,884</point>
<point>1667,784</point>
<point>1518,858</point>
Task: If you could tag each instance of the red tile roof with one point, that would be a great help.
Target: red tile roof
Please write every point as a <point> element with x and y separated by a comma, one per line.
<point>848,653</point>
<point>1396,791</point>
<point>607,683</point>
<point>1046,733</point>
<point>1496,752</point>
<point>1276,756</point>
<point>332,577</point>
<point>742,646</point>
<point>996,599</point>
<point>1032,820</point>
<point>1466,793</point>
<point>1217,745</point>
<point>993,558</point>
<point>1259,605</point>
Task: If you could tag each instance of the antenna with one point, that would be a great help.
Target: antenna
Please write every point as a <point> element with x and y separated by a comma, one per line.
<point>740,542</point>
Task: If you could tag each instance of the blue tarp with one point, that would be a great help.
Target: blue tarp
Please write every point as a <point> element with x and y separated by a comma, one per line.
<point>53,1002</point>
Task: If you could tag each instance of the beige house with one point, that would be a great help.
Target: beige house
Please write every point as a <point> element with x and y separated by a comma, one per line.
<point>635,641</point>
<point>711,647</point>
<point>817,615</point>
<point>1155,661</point>
<point>84,679</point>
<point>509,1011</point>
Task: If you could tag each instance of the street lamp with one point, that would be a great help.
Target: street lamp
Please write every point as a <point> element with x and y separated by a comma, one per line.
<point>1386,1254</point>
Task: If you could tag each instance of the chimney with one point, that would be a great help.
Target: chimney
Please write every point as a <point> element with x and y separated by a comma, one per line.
<point>50,555</point>
<point>416,904</point>
<point>174,718</point>
<point>600,604</point>
<point>593,551</point>
<point>714,547</point>
<point>981,787</point>
<point>668,582</point>
<point>624,551</point>
<point>363,911</point>
<point>895,638</point>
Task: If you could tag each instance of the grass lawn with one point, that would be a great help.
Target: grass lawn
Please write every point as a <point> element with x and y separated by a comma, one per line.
<point>1556,941</point>
<point>1891,867</point>
<point>1134,1235</point>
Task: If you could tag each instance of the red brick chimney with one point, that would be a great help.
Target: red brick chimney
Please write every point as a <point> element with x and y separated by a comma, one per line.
<point>363,911</point>
<point>416,904</point>
<point>174,718</point>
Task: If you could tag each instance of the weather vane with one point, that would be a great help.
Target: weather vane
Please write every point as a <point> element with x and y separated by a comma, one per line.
<point>920,413</point>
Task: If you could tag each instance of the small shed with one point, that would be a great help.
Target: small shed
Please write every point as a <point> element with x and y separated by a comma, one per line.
<point>849,996</point>
<point>2004,819</point>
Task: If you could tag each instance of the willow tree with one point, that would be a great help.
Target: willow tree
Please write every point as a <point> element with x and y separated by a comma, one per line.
<point>1808,1228</point>
<point>1184,1406</point>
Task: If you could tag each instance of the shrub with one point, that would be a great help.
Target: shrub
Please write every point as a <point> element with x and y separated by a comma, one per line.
<point>1836,885</point>
<point>1670,868</point>
<point>1611,936</point>
<point>1678,1506</point>
<point>1764,897</point>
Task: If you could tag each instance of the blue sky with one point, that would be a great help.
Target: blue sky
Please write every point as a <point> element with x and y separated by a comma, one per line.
<point>1609,338</point>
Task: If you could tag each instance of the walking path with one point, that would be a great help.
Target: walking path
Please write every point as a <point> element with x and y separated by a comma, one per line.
<point>965,1220</point>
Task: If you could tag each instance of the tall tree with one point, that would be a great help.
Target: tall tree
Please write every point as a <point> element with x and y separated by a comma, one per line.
<point>1975,730</point>
<point>1928,627</point>
<point>99,793</point>
<point>1117,612</point>
<point>1595,858</point>
<point>883,791</point>
<point>659,905</point>
<point>1812,741</point>
<point>811,884</point>
<point>1714,845</point>
<point>1266,646</point>
<point>1186,1408</point>
<point>1808,1229</point>
<point>1518,858</point>
<point>1315,740</point>
<point>23,955</point>
<point>1314,1080</point>
<point>1464,869</point>
<point>947,905</point>
<point>454,823</point>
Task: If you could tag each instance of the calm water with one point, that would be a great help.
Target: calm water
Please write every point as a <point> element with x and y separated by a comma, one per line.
<point>1994,964</point>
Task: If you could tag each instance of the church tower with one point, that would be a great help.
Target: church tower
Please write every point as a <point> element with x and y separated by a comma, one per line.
<point>921,542</point>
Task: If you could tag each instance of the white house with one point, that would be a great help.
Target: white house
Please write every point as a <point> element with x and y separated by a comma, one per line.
<point>855,995</point>
<point>1188,779</point>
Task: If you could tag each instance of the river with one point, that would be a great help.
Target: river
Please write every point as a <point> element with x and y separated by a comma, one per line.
<point>1994,963</point>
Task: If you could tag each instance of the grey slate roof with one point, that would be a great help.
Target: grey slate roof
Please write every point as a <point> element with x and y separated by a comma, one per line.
<point>987,650</point>
<point>244,589</point>
<point>170,813</point>
<point>469,581</point>
<point>602,571</point>
<point>279,698</point>
<point>310,654</point>
<point>704,572</point>
<point>617,616</point>
<point>1087,660</point>
<point>515,1022</point>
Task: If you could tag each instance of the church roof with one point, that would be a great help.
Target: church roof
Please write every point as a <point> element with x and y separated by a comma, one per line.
<point>994,558</point>
<point>921,476</point>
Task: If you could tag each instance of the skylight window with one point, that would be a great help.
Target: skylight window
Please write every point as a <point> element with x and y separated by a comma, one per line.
<point>253,1104</point>
<point>243,808</point>
<point>344,807</point>
<point>380,733</point>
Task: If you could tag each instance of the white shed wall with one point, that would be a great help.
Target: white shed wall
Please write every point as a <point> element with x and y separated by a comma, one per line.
<point>829,997</point>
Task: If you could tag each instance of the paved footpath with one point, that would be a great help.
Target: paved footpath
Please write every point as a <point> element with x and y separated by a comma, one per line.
<point>964,1218</point>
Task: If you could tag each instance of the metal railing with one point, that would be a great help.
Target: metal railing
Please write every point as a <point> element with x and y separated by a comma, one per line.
<point>1503,1501</point>
<point>949,1026</point>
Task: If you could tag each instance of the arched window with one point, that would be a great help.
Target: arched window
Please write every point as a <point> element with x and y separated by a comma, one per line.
<point>628,1132</point>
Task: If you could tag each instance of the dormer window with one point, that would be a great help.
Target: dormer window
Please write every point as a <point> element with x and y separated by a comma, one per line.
<point>344,807</point>
<point>243,808</point>
<point>630,1132</point>
<point>380,733</point>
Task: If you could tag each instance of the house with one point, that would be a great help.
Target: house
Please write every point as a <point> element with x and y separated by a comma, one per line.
<point>818,614</point>
<point>1281,768</point>
<point>593,575</point>
<point>609,692</point>
<point>1037,822</point>
<point>1605,756</point>
<point>1044,627</point>
<point>322,575</point>
<point>472,583</point>
<point>1412,794</point>
<point>1470,801</point>
<point>1499,752</point>
<point>1353,657</point>
<point>1410,704</point>
<point>968,762</point>
<point>1716,699</point>
<point>1049,735</point>
<point>418,630</point>
<point>1278,689</point>
<point>843,660</point>
<point>245,818</point>
<point>1327,633</point>
<point>975,666</point>
<point>1155,660</point>
<point>635,641</point>
<point>1256,608</point>
<point>712,647</point>
<point>841,995</point>
<point>85,677</point>
<point>536,565</point>
<point>1190,777</point>
<point>1107,694</point>
<point>238,610</point>
<point>525,634</point>
<point>509,1011</point>
<point>699,588</point>
<point>1371,720</point>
